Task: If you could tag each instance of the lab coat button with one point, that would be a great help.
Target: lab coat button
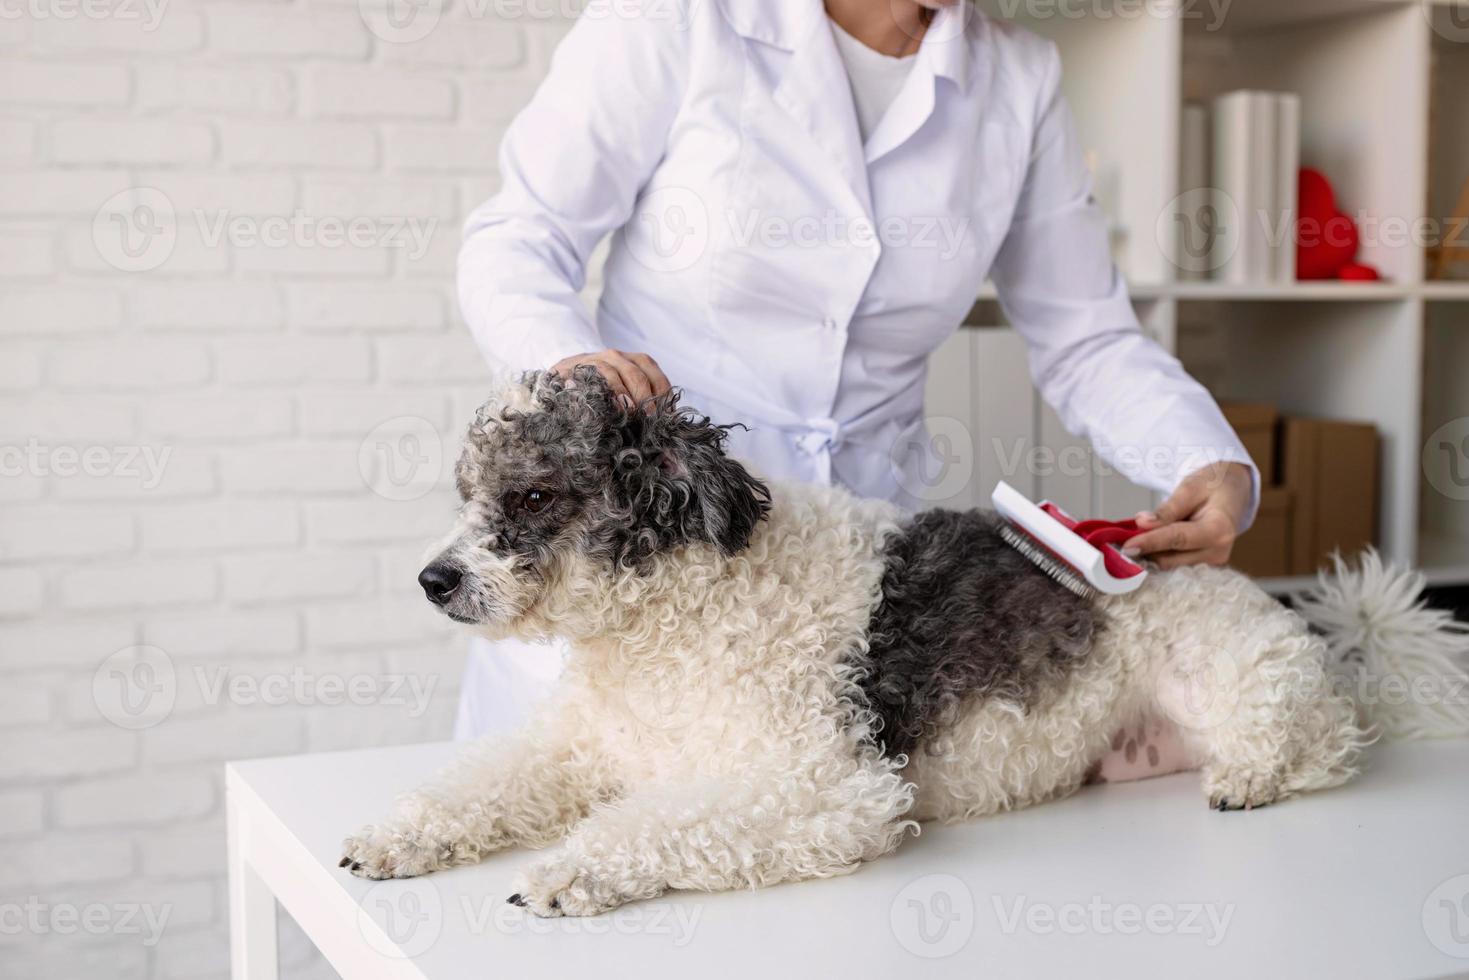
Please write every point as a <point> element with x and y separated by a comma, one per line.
<point>829,323</point>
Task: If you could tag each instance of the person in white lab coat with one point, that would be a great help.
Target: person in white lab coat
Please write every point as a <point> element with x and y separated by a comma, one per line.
<point>805,200</point>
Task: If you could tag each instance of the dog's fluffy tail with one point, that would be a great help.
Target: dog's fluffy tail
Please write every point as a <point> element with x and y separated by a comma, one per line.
<point>1406,665</point>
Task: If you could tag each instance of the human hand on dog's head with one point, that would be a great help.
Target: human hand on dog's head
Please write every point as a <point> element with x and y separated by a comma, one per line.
<point>562,482</point>
<point>633,376</point>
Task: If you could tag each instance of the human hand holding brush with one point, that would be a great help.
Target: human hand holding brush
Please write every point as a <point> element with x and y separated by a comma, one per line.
<point>1197,525</point>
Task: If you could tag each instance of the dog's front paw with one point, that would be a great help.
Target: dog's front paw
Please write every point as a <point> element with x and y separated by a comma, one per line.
<point>1240,788</point>
<point>561,886</point>
<point>387,852</point>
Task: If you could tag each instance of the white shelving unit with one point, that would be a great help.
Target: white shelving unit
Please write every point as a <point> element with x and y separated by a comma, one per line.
<point>1383,88</point>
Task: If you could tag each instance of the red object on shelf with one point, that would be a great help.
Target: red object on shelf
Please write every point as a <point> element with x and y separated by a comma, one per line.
<point>1356,272</point>
<point>1326,237</point>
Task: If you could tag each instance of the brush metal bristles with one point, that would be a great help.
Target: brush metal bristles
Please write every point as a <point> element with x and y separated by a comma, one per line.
<point>1063,573</point>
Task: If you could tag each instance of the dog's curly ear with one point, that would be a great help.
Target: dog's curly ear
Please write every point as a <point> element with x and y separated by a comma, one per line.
<point>726,502</point>
<point>671,472</point>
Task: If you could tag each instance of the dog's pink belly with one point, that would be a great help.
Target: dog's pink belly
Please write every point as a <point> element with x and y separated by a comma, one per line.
<point>1152,747</point>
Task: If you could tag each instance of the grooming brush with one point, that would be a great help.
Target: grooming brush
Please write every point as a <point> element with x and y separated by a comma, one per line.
<point>1081,555</point>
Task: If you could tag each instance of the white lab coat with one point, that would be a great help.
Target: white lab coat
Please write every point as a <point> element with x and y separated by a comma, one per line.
<point>791,278</point>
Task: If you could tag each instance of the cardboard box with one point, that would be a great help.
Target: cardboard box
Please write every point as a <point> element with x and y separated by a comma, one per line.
<point>1331,469</point>
<point>1264,550</point>
<point>1256,424</point>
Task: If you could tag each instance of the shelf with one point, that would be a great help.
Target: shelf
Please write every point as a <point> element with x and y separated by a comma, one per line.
<point>1364,292</point>
<point>1444,558</point>
<point>985,312</point>
<point>1286,584</point>
<point>1444,561</point>
<point>1453,292</point>
<point>1334,292</point>
<point>1137,290</point>
<point>1362,81</point>
<point>1392,353</point>
<point>1251,16</point>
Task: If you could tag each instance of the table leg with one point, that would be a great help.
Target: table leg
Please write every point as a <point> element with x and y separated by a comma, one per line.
<point>253,951</point>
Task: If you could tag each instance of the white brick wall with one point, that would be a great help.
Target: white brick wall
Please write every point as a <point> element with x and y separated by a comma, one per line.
<point>185,417</point>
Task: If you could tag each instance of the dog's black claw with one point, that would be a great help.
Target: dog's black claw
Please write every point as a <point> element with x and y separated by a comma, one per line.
<point>356,865</point>
<point>344,862</point>
<point>556,904</point>
<point>516,900</point>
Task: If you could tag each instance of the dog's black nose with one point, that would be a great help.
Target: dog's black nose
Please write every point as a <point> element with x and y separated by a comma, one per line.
<point>439,580</point>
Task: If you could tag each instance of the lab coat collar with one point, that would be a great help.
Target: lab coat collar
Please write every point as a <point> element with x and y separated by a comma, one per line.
<point>782,23</point>
<point>788,24</point>
<point>945,53</point>
<point>816,93</point>
<point>948,40</point>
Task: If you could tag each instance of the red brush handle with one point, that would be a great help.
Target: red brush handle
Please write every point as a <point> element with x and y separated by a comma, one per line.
<point>1099,533</point>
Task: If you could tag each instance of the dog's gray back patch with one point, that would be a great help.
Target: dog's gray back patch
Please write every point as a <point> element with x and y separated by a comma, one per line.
<point>964,616</point>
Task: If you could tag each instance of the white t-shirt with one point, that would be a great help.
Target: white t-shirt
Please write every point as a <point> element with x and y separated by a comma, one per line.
<point>874,76</point>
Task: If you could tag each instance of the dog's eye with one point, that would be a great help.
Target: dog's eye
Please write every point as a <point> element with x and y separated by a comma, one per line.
<point>535,501</point>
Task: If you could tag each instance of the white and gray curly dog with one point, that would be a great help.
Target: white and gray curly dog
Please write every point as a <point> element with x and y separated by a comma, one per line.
<point>777,684</point>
